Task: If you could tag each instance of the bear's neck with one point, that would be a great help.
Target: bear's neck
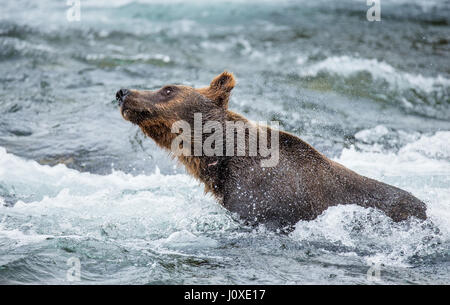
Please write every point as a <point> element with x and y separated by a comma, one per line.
<point>159,131</point>
<point>211,170</point>
<point>208,170</point>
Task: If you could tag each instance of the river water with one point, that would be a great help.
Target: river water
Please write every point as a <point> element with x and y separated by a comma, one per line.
<point>79,182</point>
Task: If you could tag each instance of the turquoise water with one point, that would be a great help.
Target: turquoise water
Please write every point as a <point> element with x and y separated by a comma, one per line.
<point>76,180</point>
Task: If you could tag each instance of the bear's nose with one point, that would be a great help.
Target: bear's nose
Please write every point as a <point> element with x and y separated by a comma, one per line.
<point>121,95</point>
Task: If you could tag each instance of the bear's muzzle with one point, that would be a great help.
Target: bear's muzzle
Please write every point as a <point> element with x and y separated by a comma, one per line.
<point>121,95</point>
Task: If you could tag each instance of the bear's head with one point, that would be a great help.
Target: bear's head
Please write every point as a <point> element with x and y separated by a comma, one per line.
<point>156,111</point>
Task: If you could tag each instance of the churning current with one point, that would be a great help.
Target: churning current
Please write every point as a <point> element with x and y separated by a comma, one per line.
<point>80,184</point>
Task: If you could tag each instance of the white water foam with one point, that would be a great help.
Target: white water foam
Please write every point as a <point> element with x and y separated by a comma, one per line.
<point>347,66</point>
<point>118,206</point>
<point>172,212</point>
<point>421,168</point>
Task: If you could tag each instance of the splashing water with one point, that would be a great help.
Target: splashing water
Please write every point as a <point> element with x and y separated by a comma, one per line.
<point>154,228</point>
<point>77,181</point>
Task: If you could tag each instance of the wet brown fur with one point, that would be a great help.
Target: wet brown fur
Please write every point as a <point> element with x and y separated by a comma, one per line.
<point>300,187</point>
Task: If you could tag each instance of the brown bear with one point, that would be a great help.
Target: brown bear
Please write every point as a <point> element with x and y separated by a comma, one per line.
<point>300,186</point>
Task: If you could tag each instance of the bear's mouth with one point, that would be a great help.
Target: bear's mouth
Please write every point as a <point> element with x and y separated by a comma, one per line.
<point>134,116</point>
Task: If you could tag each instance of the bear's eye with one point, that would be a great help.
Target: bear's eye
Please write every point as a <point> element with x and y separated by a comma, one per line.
<point>167,91</point>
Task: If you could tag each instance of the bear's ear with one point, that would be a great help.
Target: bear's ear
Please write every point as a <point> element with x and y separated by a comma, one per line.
<point>223,82</point>
<point>220,88</point>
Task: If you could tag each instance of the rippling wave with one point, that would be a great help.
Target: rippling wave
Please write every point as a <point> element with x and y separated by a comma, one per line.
<point>76,180</point>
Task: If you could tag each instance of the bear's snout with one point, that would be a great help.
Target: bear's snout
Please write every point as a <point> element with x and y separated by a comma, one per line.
<point>121,95</point>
